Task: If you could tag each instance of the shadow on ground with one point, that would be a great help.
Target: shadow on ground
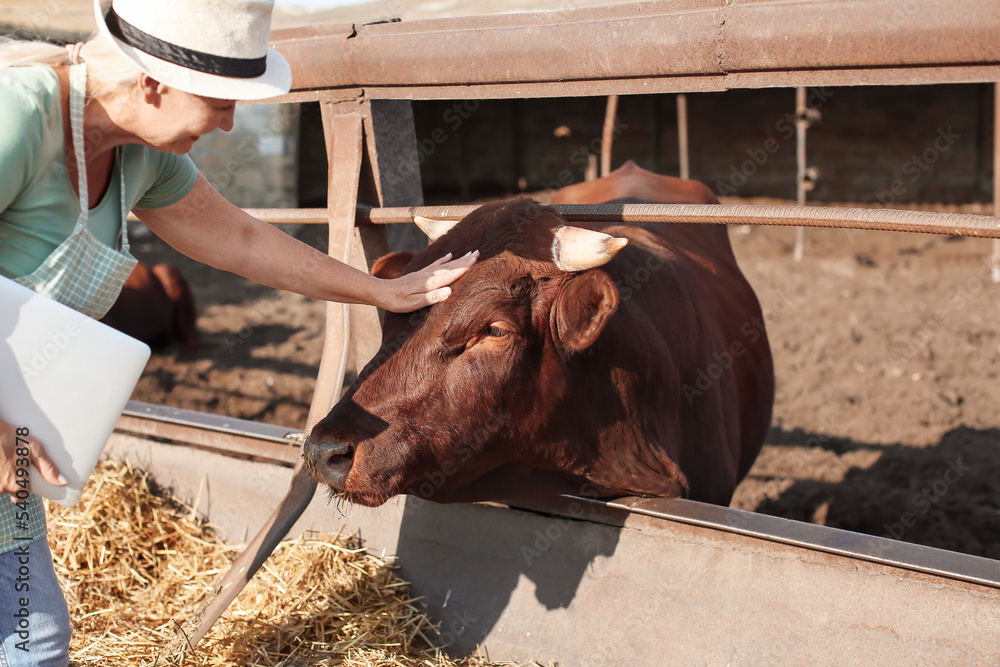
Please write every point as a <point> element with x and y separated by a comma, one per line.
<point>944,495</point>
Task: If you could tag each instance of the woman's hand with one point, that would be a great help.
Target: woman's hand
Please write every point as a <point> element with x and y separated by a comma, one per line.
<point>17,451</point>
<point>426,286</point>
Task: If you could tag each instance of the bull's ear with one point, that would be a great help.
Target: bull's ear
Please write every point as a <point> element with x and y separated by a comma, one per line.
<point>391,265</point>
<point>582,309</point>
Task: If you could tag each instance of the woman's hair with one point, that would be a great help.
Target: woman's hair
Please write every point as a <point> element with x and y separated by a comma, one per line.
<point>107,68</point>
<point>20,53</point>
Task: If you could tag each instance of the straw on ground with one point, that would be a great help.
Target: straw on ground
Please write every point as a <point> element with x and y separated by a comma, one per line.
<point>135,565</point>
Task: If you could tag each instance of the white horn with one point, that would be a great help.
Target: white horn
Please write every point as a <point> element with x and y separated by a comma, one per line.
<point>577,249</point>
<point>434,229</point>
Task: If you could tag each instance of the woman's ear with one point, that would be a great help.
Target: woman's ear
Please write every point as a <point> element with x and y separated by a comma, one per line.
<point>150,89</point>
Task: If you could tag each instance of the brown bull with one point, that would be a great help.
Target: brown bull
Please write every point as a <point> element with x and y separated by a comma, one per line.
<point>564,362</point>
<point>157,307</point>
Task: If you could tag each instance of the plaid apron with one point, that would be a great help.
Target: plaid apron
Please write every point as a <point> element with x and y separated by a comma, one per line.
<point>82,272</point>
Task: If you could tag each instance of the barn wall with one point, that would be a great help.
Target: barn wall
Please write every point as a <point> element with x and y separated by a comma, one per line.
<point>932,143</point>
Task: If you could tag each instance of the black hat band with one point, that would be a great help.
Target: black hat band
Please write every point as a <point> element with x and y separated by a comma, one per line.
<point>238,68</point>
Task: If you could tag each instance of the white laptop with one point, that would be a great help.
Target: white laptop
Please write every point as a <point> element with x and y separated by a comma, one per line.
<point>66,378</point>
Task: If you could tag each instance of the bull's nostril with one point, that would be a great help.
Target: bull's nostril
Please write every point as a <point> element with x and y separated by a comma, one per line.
<point>337,448</point>
<point>338,459</point>
<point>328,461</point>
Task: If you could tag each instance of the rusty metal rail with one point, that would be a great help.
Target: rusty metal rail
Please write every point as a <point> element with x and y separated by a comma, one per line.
<point>891,220</point>
<point>880,219</point>
<point>914,557</point>
<point>224,435</point>
<point>652,47</point>
<point>806,216</point>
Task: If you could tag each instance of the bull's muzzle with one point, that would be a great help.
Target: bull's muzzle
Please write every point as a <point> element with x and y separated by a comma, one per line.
<point>327,461</point>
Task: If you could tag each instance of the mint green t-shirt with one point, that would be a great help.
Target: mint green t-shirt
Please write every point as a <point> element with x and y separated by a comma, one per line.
<point>38,206</point>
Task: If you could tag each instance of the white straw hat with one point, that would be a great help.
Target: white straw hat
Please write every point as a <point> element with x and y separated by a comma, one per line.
<point>213,48</point>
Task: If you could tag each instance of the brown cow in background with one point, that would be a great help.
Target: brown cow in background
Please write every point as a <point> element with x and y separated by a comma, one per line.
<point>595,359</point>
<point>157,307</point>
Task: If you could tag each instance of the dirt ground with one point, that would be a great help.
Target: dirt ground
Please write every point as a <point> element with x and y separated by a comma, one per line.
<point>886,354</point>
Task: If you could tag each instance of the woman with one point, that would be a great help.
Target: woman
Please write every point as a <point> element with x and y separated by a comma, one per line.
<point>87,138</point>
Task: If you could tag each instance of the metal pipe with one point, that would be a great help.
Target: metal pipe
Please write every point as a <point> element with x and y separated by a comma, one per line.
<point>682,135</point>
<point>223,435</point>
<point>892,220</point>
<point>916,557</point>
<point>801,125</point>
<point>995,258</point>
<point>955,224</point>
<point>344,137</point>
<point>608,135</point>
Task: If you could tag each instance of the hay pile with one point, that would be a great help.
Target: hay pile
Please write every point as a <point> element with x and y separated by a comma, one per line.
<point>135,566</point>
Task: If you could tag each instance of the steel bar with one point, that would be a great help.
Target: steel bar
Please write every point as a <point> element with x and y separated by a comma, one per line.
<point>892,220</point>
<point>801,127</point>
<point>225,435</point>
<point>653,47</point>
<point>995,257</point>
<point>915,557</point>
<point>608,134</point>
<point>903,75</point>
<point>344,139</point>
<point>682,136</point>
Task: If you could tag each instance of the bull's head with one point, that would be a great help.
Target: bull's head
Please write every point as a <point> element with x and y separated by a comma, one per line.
<point>467,400</point>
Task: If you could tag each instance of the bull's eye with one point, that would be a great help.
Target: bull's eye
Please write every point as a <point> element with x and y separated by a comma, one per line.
<point>497,331</point>
<point>495,336</point>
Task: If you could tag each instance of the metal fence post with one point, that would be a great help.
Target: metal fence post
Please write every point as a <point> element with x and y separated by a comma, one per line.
<point>995,257</point>
<point>343,132</point>
<point>805,178</point>
<point>682,136</point>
